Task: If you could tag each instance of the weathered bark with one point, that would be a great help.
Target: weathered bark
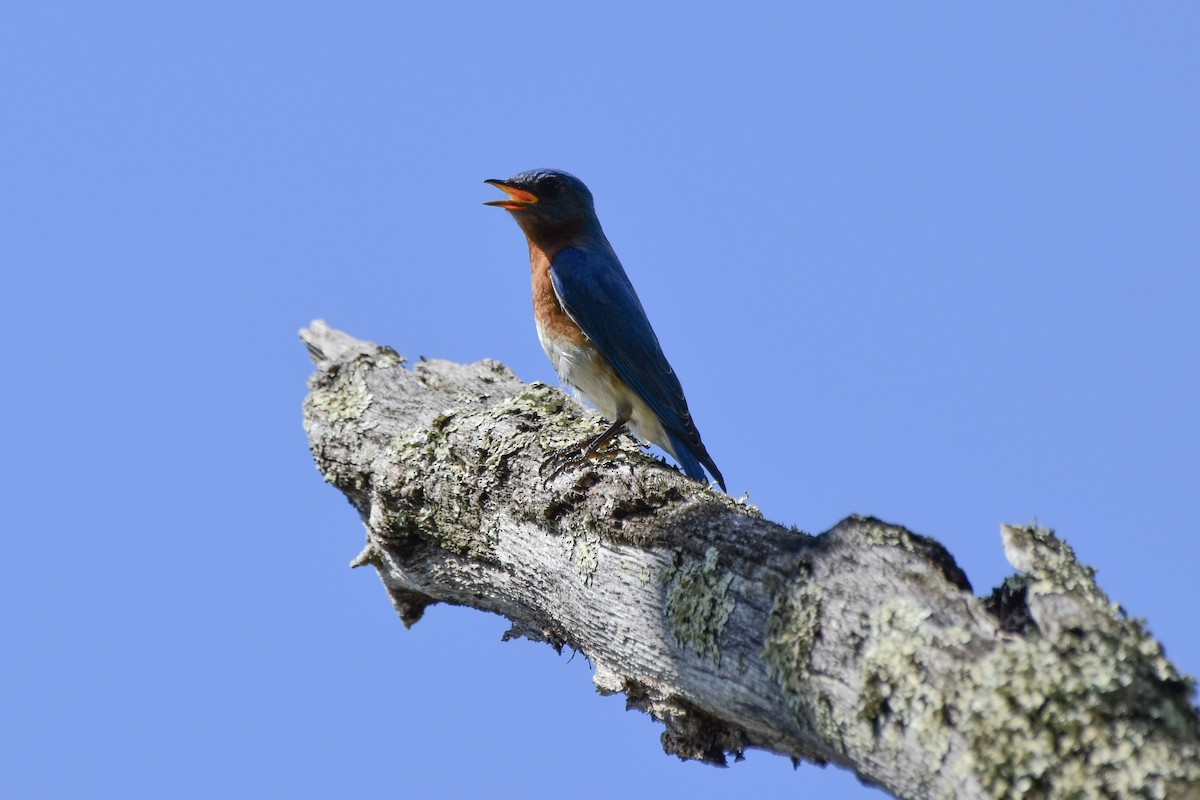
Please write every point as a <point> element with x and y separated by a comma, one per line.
<point>863,646</point>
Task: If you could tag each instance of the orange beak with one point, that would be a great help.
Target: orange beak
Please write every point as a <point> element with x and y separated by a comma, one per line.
<point>516,200</point>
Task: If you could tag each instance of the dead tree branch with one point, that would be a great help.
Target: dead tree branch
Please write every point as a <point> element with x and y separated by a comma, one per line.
<point>863,646</point>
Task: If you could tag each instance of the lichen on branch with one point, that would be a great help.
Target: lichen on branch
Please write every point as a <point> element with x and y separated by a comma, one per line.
<point>863,646</point>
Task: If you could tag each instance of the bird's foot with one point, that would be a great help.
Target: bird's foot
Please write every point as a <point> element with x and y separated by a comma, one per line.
<point>561,460</point>
<point>579,454</point>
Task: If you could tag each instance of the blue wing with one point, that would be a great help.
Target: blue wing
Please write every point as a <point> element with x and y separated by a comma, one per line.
<point>597,295</point>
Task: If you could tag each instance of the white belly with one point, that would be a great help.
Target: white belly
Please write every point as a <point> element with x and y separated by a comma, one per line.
<point>593,379</point>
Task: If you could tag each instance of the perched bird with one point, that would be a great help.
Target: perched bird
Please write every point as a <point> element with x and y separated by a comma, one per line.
<point>592,325</point>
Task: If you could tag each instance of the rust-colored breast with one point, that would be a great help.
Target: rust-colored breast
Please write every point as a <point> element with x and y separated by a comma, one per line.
<point>551,320</point>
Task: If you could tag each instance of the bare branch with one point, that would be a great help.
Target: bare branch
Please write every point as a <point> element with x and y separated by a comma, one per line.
<point>863,646</point>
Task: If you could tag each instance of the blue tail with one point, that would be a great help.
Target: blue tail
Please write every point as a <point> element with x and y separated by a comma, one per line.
<point>691,465</point>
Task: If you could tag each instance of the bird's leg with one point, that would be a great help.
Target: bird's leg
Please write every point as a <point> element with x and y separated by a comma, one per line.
<point>578,454</point>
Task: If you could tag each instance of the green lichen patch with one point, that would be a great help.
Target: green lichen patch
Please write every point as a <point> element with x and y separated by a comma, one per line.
<point>335,419</point>
<point>792,628</point>
<point>1094,710</point>
<point>1095,714</point>
<point>464,474</point>
<point>699,605</point>
<point>339,397</point>
<point>876,533</point>
<point>525,410</point>
<point>386,358</point>
<point>901,696</point>
<point>424,461</point>
<point>343,398</point>
<point>340,393</point>
<point>587,554</point>
<point>1051,566</point>
<point>438,460</point>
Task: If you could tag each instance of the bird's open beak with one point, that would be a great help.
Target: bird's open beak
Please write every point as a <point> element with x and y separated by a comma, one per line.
<point>516,200</point>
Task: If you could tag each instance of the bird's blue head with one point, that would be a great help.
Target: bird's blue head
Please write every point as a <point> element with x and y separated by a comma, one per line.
<point>547,202</point>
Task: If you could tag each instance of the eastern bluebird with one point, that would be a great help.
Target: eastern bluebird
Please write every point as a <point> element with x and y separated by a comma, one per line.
<point>592,325</point>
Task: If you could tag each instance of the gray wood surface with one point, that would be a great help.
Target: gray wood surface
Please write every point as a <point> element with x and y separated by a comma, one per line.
<point>863,646</point>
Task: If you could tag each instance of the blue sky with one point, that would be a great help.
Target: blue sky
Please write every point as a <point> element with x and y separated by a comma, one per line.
<point>932,262</point>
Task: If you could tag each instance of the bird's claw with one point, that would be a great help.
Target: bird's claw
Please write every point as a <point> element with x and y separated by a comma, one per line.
<point>578,455</point>
<point>560,461</point>
<point>573,457</point>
